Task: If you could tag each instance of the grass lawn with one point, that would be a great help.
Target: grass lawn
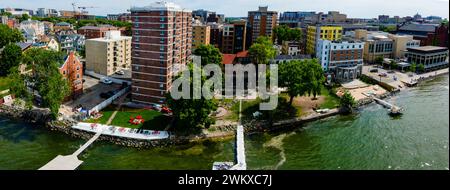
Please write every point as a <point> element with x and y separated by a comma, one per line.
<point>154,120</point>
<point>4,83</point>
<point>248,108</point>
<point>331,100</point>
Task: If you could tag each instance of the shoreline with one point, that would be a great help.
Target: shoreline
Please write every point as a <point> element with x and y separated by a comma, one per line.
<point>41,119</point>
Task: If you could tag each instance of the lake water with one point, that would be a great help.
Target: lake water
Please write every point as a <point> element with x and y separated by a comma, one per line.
<point>370,139</point>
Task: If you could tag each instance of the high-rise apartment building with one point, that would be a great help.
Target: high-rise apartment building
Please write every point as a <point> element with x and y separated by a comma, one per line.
<point>200,35</point>
<point>216,31</point>
<point>315,33</point>
<point>108,54</point>
<point>161,47</point>
<point>261,23</point>
<point>234,37</point>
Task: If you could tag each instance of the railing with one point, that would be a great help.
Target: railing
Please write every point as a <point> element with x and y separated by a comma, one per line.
<point>109,100</point>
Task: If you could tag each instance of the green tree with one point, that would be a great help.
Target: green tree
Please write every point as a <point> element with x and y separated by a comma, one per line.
<point>421,68</point>
<point>209,54</point>
<point>301,78</point>
<point>262,50</point>
<point>18,87</point>
<point>192,112</point>
<point>24,17</point>
<point>413,67</point>
<point>393,64</point>
<point>290,76</point>
<point>46,78</point>
<point>347,102</point>
<point>315,77</point>
<point>284,33</point>
<point>10,57</point>
<point>8,35</point>
<point>8,14</point>
<point>379,60</point>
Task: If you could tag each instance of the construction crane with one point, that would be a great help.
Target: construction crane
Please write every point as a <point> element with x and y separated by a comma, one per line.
<point>84,8</point>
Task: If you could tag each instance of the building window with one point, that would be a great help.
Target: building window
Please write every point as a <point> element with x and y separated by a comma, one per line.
<point>78,76</point>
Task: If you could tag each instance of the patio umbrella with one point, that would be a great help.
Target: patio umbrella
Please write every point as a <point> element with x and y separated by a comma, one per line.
<point>139,117</point>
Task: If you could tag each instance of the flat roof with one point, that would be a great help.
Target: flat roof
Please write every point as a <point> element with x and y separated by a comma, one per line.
<point>428,48</point>
<point>110,39</point>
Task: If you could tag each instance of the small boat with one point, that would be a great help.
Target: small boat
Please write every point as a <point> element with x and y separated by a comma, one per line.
<point>395,111</point>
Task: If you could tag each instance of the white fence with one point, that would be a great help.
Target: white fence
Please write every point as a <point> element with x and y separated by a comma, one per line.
<point>109,100</point>
<point>99,76</point>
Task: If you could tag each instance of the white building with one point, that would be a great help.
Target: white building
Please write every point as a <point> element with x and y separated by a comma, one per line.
<point>17,11</point>
<point>109,54</point>
<point>341,60</point>
<point>32,29</point>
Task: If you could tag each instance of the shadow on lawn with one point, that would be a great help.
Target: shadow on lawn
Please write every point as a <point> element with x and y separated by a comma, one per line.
<point>158,123</point>
<point>283,111</point>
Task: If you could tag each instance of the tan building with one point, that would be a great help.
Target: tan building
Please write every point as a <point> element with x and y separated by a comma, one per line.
<point>382,44</point>
<point>109,54</point>
<point>402,43</point>
<point>200,35</point>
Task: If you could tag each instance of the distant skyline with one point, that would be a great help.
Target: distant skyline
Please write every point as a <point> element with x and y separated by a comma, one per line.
<point>239,8</point>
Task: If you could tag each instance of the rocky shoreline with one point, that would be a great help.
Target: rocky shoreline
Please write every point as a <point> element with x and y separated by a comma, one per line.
<point>41,117</point>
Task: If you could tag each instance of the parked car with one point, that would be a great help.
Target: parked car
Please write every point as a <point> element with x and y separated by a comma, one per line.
<point>382,75</point>
<point>105,80</point>
<point>120,72</point>
<point>373,70</point>
<point>390,72</point>
<point>166,110</point>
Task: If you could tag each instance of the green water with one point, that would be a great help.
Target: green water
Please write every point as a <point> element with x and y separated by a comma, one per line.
<point>368,140</point>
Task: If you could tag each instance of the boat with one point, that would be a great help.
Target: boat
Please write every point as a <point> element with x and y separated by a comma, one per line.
<point>395,111</point>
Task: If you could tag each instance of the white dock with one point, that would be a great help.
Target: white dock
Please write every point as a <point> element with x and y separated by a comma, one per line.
<point>241,164</point>
<point>240,161</point>
<point>69,162</point>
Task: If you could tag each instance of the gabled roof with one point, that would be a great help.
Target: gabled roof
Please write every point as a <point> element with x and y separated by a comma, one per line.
<point>228,58</point>
<point>242,54</point>
<point>24,46</point>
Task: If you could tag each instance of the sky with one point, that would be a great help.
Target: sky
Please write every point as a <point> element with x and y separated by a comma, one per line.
<point>238,8</point>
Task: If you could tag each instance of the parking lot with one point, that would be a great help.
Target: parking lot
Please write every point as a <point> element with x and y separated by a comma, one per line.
<point>393,78</point>
<point>92,90</point>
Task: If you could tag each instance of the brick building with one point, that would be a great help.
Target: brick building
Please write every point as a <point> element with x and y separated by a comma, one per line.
<point>161,47</point>
<point>91,32</point>
<point>72,69</point>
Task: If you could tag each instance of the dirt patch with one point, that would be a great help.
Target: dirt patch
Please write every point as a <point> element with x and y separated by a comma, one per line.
<point>307,103</point>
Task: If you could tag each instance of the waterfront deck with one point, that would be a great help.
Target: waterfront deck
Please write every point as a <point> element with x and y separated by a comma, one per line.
<point>69,162</point>
<point>121,132</point>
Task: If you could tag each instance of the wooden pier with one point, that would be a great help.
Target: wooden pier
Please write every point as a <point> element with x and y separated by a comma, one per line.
<point>69,162</point>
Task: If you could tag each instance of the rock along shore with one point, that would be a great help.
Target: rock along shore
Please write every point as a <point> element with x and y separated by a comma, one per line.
<point>42,118</point>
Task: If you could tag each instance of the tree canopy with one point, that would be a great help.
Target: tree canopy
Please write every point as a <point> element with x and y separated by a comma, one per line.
<point>192,112</point>
<point>284,33</point>
<point>209,54</point>
<point>379,60</point>
<point>8,35</point>
<point>347,102</point>
<point>262,50</point>
<point>10,57</point>
<point>301,78</point>
<point>46,79</point>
